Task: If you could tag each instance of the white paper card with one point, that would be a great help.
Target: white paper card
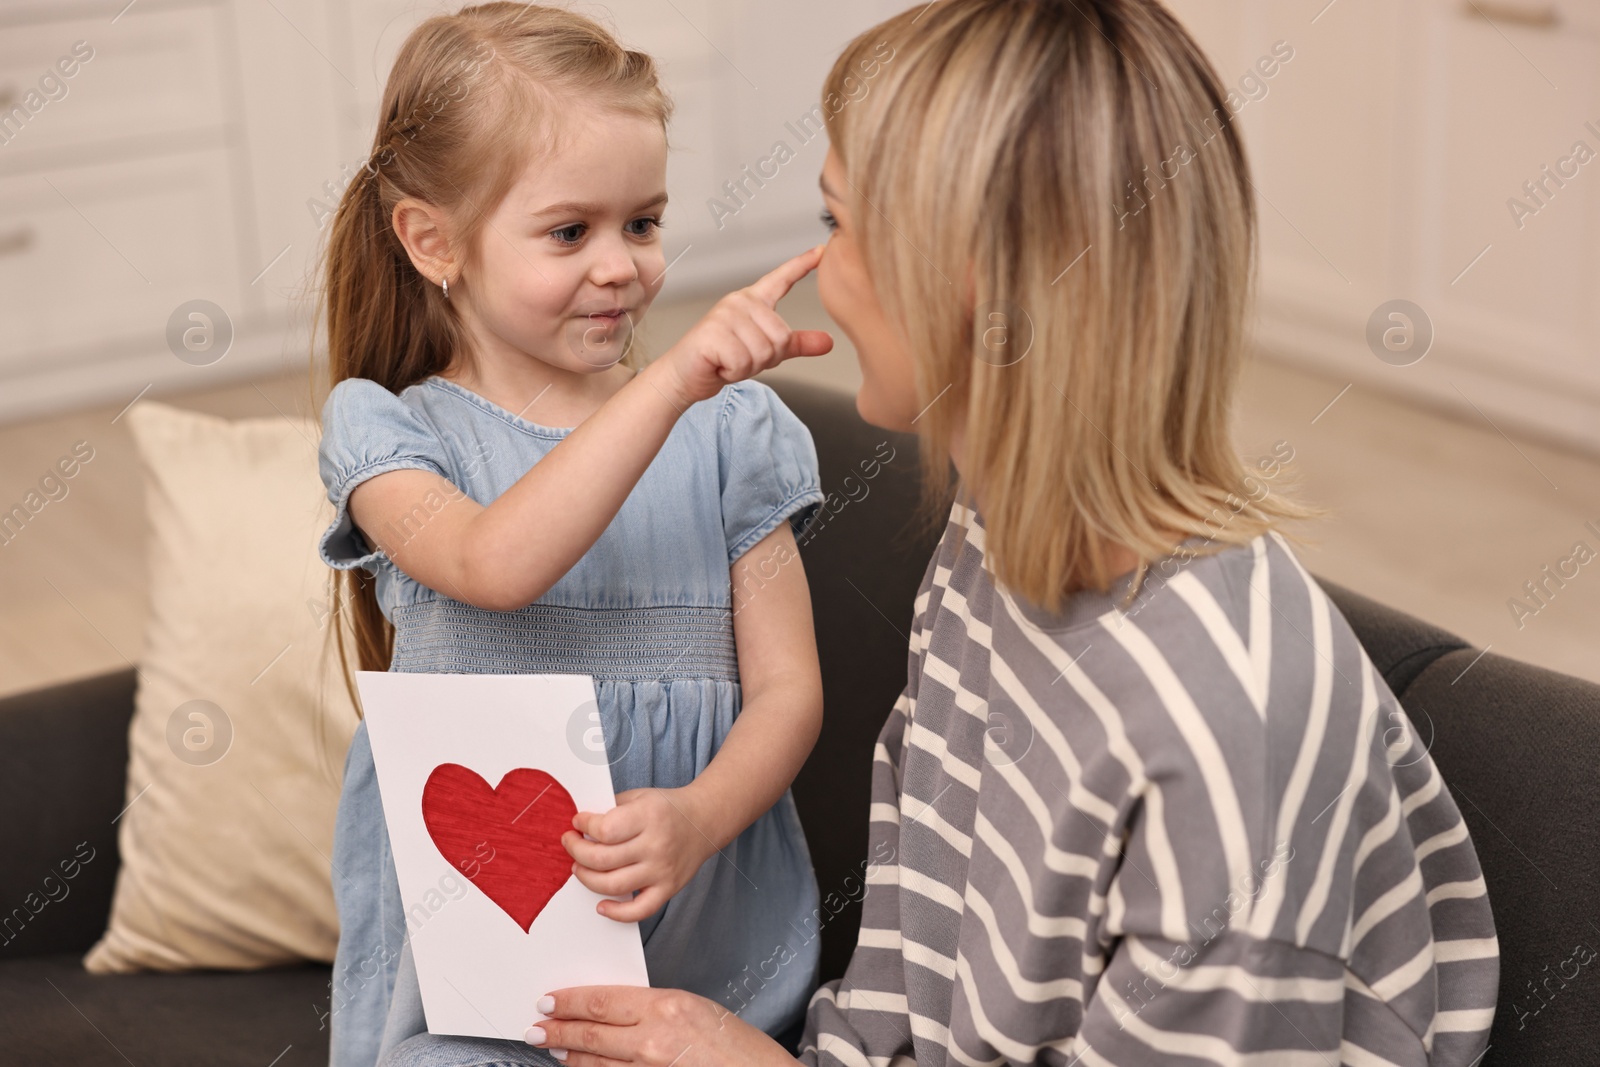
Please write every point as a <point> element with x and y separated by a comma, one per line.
<point>479,972</point>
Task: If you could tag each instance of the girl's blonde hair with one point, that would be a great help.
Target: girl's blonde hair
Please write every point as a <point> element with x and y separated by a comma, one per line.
<point>1055,209</point>
<point>470,98</point>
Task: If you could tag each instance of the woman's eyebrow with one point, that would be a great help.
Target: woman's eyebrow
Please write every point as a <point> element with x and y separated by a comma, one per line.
<point>584,207</point>
<point>827,190</point>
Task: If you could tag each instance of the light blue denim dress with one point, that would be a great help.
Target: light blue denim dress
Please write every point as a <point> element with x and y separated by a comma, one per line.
<point>646,612</point>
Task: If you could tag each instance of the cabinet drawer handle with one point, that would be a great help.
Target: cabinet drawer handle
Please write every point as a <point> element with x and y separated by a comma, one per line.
<point>1533,18</point>
<point>17,241</point>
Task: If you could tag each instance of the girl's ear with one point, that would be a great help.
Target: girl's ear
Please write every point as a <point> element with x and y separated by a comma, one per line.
<point>422,231</point>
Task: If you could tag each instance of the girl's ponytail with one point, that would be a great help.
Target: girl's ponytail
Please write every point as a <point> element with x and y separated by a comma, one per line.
<point>385,321</point>
<point>467,101</point>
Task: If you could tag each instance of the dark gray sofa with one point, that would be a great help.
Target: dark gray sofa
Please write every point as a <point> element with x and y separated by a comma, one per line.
<point>1519,747</point>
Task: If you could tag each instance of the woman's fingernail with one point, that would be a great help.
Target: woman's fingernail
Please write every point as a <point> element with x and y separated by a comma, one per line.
<point>545,1005</point>
<point>558,1053</point>
<point>534,1036</point>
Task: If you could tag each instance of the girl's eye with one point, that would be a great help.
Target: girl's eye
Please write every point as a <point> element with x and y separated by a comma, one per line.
<point>569,235</point>
<point>828,220</point>
<point>651,224</point>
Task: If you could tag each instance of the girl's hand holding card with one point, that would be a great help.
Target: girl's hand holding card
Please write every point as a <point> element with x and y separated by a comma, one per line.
<point>648,844</point>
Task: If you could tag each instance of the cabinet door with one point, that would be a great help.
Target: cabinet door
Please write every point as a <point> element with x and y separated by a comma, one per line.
<point>1323,134</point>
<point>1315,93</point>
<point>293,86</point>
<point>1507,190</point>
<point>93,261</point>
<point>1420,150</point>
<point>150,82</point>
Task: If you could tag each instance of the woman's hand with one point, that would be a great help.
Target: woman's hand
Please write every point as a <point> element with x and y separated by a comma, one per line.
<point>740,337</point>
<point>605,1026</point>
<point>651,843</point>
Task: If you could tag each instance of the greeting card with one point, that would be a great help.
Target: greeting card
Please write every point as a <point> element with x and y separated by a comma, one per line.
<point>480,775</point>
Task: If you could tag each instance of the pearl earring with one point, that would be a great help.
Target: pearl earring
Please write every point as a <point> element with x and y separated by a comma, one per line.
<point>445,284</point>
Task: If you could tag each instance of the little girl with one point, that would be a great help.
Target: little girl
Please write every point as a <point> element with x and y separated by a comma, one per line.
<point>518,497</point>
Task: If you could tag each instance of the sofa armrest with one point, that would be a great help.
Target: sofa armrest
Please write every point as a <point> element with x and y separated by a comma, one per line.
<point>66,758</point>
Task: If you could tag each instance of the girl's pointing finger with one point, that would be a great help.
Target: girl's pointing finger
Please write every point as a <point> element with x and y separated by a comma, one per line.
<point>771,287</point>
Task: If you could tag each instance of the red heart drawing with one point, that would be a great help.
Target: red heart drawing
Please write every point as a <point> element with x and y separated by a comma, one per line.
<point>506,840</point>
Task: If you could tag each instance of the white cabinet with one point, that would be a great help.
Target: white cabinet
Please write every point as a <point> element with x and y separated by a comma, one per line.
<point>120,195</point>
<point>196,154</point>
<point>1387,156</point>
<point>133,87</point>
<point>100,255</point>
<point>1513,176</point>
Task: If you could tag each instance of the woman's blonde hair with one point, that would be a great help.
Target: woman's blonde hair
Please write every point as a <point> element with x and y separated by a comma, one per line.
<point>1054,206</point>
<point>470,98</point>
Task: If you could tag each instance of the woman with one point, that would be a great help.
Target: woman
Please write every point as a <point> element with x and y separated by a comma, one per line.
<point>1209,840</point>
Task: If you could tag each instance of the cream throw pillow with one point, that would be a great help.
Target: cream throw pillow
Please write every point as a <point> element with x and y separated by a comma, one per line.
<point>240,727</point>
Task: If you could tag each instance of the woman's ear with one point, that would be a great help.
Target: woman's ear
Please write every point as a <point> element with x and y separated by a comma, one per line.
<point>421,229</point>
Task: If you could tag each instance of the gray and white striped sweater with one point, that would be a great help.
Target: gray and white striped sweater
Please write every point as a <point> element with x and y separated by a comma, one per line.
<point>1195,831</point>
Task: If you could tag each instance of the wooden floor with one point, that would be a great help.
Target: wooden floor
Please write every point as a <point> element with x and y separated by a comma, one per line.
<point>1442,518</point>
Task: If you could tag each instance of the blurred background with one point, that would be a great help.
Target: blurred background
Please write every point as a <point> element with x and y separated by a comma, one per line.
<point>1426,339</point>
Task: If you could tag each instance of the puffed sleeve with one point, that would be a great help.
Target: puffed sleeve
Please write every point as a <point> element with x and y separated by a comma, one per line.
<point>366,431</point>
<point>767,464</point>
